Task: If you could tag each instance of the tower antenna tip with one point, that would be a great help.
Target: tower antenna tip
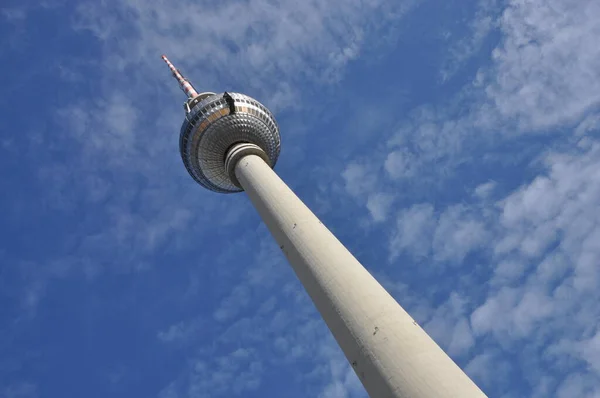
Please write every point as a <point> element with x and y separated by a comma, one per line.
<point>185,85</point>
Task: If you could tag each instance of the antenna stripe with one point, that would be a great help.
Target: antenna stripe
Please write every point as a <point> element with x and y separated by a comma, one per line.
<point>185,85</point>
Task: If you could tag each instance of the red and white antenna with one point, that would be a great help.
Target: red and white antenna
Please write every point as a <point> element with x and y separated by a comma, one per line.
<point>185,85</point>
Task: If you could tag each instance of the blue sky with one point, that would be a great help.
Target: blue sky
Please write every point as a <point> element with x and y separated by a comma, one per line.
<point>451,145</point>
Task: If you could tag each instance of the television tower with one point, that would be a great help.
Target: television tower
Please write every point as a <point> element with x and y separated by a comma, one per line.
<point>230,142</point>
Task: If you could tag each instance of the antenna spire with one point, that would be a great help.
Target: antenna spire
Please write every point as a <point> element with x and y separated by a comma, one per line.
<point>185,85</point>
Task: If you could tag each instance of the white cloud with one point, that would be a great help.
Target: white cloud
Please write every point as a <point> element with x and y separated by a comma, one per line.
<point>546,70</point>
<point>413,231</point>
<point>484,191</point>
<point>554,306</point>
<point>109,124</point>
<point>379,205</point>
<point>236,372</point>
<point>577,386</point>
<point>479,28</point>
<point>450,328</point>
<point>457,234</point>
<point>509,270</point>
<point>462,338</point>
<point>179,333</point>
<point>400,163</point>
<point>121,116</point>
<point>359,178</point>
<point>234,303</point>
<point>292,41</point>
<point>484,318</point>
<point>532,204</point>
<point>489,368</point>
<point>450,236</point>
<point>590,351</point>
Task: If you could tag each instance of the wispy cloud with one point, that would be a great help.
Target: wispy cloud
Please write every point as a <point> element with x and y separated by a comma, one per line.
<point>479,28</point>
<point>308,41</point>
<point>379,205</point>
<point>450,236</point>
<point>545,71</point>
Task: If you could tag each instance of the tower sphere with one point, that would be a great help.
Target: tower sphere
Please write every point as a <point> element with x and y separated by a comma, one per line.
<point>214,124</point>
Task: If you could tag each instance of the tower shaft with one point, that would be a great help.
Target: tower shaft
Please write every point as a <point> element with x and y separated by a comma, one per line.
<point>392,356</point>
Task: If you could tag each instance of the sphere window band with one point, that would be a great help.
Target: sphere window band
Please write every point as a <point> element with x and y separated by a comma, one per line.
<point>211,129</point>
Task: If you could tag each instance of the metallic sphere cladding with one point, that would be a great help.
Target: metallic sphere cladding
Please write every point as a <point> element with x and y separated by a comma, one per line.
<point>215,124</point>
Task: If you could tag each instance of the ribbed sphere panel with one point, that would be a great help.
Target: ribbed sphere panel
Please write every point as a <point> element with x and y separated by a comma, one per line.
<point>217,123</point>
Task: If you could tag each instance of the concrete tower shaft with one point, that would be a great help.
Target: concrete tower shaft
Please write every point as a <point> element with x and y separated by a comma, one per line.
<point>391,354</point>
<point>229,143</point>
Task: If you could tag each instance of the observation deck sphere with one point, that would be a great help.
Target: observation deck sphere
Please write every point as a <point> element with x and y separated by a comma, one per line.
<point>213,125</point>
